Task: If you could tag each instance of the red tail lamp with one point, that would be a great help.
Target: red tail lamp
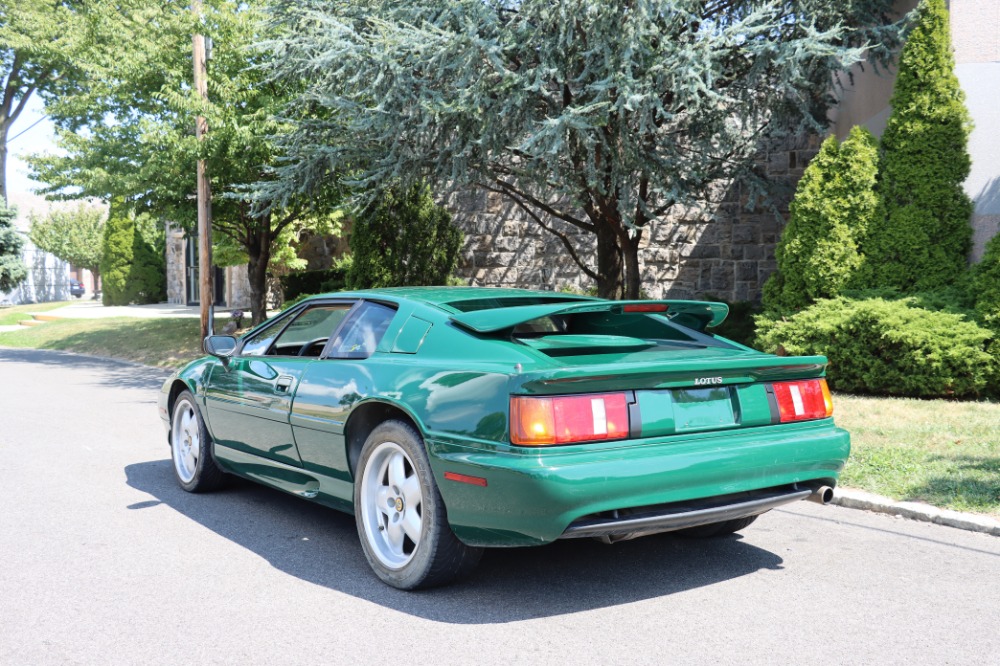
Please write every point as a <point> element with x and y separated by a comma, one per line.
<point>803,400</point>
<point>542,421</point>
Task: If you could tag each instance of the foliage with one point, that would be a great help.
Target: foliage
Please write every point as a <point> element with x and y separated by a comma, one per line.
<point>12,269</point>
<point>132,269</point>
<point>986,285</point>
<point>42,44</point>
<point>597,115</point>
<point>739,325</point>
<point>74,235</point>
<point>308,283</point>
<point>923,238</point>
<point>890,347</point>
<point>404,239</point>
<point>127,130</point>
<point>117,248</point>
<point>835,202</point>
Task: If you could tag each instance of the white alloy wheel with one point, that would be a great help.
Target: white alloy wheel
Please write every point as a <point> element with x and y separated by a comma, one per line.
<point>191,448</point>
<point>185,440</point>
<point>391,505</point>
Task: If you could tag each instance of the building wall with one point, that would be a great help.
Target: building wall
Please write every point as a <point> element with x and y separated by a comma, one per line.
<point>729,255</point>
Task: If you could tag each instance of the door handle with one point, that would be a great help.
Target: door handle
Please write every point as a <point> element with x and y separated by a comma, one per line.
<point>283,383</point>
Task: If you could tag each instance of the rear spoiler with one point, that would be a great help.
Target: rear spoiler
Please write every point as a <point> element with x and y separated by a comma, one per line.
<point>698,315</point>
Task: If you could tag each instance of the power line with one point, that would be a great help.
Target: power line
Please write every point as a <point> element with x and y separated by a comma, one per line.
<point>26,129</point>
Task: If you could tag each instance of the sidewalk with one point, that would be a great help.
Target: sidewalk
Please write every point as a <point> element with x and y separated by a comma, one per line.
<point>95,310</point>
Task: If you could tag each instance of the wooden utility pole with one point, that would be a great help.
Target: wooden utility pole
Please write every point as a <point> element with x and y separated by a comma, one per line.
<point>204,190</point>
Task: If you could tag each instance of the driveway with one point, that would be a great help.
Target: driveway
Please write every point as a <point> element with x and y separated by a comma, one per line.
<point>105,560</point>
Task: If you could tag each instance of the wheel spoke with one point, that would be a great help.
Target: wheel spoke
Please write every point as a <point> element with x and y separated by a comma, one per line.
<point>410,490</point>
<point>382,499</point>
<point>411,524</point>
<point>190,460</point>
<point>397,471</point>
<point>394,535</point>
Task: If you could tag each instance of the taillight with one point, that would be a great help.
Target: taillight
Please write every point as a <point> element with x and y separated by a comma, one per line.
<point>539,421</point>
<point>803,400</point>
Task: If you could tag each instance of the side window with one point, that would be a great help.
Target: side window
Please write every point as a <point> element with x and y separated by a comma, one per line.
<point>261,340</point>
<point>306,335</point>
<point>363,331</point>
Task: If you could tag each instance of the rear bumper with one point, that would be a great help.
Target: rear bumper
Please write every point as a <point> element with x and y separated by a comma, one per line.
<point>535,497</point>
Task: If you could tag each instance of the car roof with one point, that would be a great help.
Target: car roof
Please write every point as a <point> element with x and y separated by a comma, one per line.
<point>442,296</point>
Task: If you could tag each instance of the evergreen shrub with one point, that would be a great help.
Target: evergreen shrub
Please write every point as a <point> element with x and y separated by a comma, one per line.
<point>835,202</point>
<point>891,347</point>
<point>12,269</point>
<point>922,239</point>
<point>116,257</point>
<point>986,286</point>
<point>404,239</point>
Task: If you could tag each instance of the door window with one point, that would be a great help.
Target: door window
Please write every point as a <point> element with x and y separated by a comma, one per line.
<point>306,335</point>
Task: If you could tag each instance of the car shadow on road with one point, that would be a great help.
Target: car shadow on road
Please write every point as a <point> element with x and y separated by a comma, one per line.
<point>114,372</point>
<point>320,545</point>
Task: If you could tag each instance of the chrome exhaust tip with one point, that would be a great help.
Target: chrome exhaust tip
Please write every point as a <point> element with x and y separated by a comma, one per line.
<point>821,495</point>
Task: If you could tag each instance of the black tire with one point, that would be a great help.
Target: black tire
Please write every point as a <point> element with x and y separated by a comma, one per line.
<point>396,499</point>
<point>716,529</point>
<point>191,448</point>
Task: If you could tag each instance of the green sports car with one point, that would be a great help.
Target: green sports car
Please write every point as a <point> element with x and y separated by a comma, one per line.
<point>452,419</point>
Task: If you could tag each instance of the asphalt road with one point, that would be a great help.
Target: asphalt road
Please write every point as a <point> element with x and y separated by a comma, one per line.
<point>104,560</point>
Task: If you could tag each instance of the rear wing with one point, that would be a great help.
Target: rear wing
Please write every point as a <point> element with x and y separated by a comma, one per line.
<point>698,315</point>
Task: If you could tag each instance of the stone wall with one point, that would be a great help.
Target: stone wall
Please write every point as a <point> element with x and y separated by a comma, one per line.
<point>729,257</point>
<point>176,245</point>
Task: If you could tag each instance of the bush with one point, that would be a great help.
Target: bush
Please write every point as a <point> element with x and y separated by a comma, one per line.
<point>834,204</point>
<point>922,239</point>
<point>132,270</point>
<point>116,257</point>
<point>12,269</point>
<point>986,286</point>
<point>891,347</point>
<point>403,240</point>
<point>295,285</point>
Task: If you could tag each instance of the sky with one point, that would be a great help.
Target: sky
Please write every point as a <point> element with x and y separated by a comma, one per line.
<point>38,139</point>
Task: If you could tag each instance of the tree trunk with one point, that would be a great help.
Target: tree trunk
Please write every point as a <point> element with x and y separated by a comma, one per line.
<point>609,261</point>
<point>259,254</point>
<point>3,163</point>
<point>633,280</point>
<point>96,272</point>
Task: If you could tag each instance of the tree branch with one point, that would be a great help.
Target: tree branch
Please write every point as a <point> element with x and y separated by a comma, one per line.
<point>514,192</point>
<point>552,230</point>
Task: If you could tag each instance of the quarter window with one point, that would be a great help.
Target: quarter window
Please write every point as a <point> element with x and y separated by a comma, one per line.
<point>363,331</point>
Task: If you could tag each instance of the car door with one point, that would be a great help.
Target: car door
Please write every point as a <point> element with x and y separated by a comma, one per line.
<point>248,402</point>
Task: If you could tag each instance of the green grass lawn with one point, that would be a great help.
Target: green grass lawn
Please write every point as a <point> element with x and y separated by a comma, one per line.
<point>12,315</point>
<point>163,342</point>
<point>942,452</point>
<point>945,453</point>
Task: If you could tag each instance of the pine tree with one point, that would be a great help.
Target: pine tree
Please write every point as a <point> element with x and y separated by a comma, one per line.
<point>834,204</point>
<point>922,241</point>
<point>12,269</point>
<point>117,251</point>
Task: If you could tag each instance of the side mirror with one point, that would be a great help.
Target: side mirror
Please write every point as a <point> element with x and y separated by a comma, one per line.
<point>220,346</point>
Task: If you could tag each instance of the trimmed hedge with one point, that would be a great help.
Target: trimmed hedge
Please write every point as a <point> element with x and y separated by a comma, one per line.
<point>986,285</point>
<point>891,347</point>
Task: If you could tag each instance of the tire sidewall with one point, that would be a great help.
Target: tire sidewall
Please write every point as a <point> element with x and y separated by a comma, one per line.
<point>205,454</point>
<point>415,572</point>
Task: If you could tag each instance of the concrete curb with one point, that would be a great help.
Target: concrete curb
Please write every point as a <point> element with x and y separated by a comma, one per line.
<point>858,499</point>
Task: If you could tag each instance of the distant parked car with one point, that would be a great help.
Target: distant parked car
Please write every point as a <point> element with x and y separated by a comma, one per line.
<point>76,288</point>
<point>452,419</point>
